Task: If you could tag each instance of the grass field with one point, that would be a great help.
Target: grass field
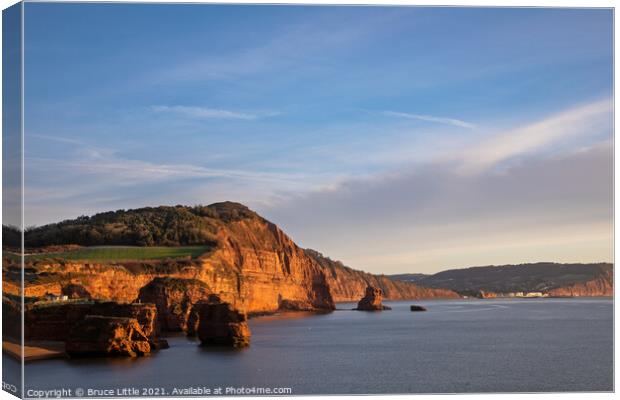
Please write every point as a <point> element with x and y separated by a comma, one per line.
<point>124,253</point>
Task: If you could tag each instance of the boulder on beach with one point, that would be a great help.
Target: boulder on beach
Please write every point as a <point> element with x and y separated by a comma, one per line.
<point>97,336</point>
<point>372,300</point>
<point>417,308</point>
<point>219,324</point>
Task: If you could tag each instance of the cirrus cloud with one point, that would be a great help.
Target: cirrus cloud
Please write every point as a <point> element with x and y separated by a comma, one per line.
<point>431,118</point>
<point>210,113</point>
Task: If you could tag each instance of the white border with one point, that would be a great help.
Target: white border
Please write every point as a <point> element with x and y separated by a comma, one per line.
<point>476,3</point>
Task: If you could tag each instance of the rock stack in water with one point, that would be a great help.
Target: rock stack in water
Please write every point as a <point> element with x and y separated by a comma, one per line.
<point>194,315</point>
<point>219,324</point>
<point>372,300</point>
<point>107,336</point>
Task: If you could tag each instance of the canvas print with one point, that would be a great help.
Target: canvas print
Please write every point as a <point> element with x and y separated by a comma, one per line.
<point>218,200</point>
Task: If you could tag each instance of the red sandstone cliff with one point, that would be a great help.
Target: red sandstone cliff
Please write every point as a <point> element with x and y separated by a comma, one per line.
<point>348,284</point>
<point>54,321</point>
<point>254,266</point>
<point>174,299</point>
<point>601,285</point>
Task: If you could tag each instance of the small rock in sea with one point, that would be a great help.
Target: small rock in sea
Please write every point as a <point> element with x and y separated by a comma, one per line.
<point>372,300</point>
<point>417,308</point>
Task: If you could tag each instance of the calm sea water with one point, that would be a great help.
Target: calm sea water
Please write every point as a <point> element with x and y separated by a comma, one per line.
<point>532,345</point>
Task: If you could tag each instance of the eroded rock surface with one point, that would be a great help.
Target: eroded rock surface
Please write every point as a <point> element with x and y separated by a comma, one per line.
<point>602,285</point>
<point>346,284</point>
<point>55,321</point>
<point>75,291</point>
<point>221,325</point>
<point>193,318</point>
<point>174,299</point>
<point>251,263</point>
<point>97,336</point>
<point>372,300</point>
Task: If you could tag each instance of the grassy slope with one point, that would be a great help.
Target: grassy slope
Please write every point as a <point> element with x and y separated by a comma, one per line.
<point>124,253</point>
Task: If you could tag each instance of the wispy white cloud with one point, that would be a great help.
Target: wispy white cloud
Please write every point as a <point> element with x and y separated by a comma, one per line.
<point>431,217</point>
<point>580,121</point>
<point>297,49</point>
<point>457,209</point>
<point>99,179</point>
<point>430,118</point>
<point>131,171</point>
<point>210,113</point>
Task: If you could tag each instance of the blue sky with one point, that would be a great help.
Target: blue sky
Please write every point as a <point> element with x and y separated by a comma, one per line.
<point>340,124</point>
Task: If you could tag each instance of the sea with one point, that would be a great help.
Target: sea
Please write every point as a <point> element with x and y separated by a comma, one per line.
<point>456,346</point>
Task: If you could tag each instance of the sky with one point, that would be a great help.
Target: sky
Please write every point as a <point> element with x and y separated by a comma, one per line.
<point>394,139</point>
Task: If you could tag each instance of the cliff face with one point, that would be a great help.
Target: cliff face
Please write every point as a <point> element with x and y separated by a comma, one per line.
<point>55,321</point>
<point>254,266</point>
<point>262,266</point>
<point>97,336</point>
<point>602,285</point>
<point>348,284</point>
<point>174,299</point>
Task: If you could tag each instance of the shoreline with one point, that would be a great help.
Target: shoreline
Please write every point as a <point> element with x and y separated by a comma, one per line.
<point>47,350</point>
<point>35,350</point>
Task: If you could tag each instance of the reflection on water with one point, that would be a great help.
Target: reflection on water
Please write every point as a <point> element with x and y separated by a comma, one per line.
<point>455,346</point>
<point>285,315</point>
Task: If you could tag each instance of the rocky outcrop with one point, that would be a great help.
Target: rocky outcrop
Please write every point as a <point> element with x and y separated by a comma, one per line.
<point>251,264</point>
<point>55,321</point>
<point>174,299</point>
<point>193,318</point>
<point>75,291</point>
<point>601,286</point>
<point>97,336</point>
<point>372,300</point>
<point>254,266</point>
<point>221,325</point>
<point>267,267</point>
<point>417,308</point>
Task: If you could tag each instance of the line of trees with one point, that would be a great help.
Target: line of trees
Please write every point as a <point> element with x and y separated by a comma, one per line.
<point>150,226</point>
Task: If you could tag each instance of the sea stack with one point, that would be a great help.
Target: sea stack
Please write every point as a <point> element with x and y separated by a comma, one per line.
<point>219,324</point>
<point>372,300</point>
